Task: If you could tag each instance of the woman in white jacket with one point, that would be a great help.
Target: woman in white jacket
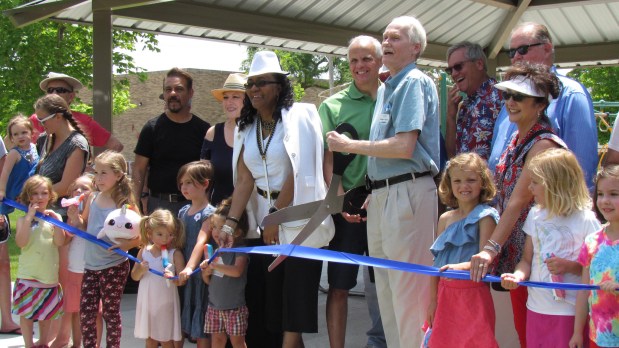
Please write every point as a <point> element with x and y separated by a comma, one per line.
<point>277,161</point>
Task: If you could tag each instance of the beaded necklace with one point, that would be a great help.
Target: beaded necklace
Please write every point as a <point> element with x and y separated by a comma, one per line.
<point>270,128</point>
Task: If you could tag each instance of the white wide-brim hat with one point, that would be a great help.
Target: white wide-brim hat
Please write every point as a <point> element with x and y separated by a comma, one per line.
<point>234,83</point>
<point>265,62</point>
<point>521,85</point>
<point>72,81</point>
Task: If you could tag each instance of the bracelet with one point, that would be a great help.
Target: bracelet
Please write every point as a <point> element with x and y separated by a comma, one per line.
<point>227,230</point>
<point>144,195</point>
<point>232,218</point>
<point>496,246</point>
<point>490,249</point>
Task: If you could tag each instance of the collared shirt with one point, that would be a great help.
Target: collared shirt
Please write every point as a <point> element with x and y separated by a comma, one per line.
<point>408,101</point>
<point>476,117</point>
<point>356,108</point>
<point>571,117</point>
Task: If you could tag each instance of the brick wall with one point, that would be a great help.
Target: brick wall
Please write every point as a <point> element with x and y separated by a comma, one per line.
<point>126,127</point>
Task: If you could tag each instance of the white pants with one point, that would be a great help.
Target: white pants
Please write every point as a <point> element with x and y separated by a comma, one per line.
<point>401,226</point>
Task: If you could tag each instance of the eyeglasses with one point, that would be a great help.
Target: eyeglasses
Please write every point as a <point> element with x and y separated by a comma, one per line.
<point>58,90</point>
<point>46,118</point>
<point>524,49</point>
<point>457,67</point>
<point>258,84</point>
<point>518,97</point>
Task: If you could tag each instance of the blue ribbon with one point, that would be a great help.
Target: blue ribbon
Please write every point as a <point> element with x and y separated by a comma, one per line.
<point>353,259</point>
<point>314,254</point>
<point>87,236</point>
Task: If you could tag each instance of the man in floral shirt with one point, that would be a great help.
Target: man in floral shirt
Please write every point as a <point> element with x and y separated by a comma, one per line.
<point>469,127</point>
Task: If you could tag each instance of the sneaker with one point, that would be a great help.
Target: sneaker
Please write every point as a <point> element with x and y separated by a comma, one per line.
<point>5,231</point>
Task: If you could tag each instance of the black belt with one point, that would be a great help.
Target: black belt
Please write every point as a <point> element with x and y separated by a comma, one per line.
<point>263,193</point>
<point>378,184</point>
<point>170,197</point>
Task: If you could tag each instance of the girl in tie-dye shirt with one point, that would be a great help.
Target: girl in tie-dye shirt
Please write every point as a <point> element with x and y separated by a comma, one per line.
<point>600,259</point>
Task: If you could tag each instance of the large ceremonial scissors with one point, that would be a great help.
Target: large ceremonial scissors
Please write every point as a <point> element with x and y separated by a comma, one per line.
<point>318,211</point>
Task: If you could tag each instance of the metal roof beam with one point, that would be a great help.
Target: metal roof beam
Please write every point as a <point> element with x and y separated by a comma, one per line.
<point>25,15</point>
<point>505,28</point>
<point>554,4</point>
<point>503,4</point>
<point>257,24</point>
<point>120,4</point>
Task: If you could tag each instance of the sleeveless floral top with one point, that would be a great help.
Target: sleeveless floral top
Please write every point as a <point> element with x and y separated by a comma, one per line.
<point>507,173</point>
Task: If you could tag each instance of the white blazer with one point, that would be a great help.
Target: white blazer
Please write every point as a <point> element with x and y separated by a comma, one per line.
<point>304,144</point>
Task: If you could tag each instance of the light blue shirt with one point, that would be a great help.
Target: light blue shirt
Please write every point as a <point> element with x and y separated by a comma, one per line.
<point>408,101</point>
<point>571,117</point>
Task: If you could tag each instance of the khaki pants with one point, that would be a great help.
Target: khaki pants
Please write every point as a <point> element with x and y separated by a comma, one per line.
<point>402,222</point>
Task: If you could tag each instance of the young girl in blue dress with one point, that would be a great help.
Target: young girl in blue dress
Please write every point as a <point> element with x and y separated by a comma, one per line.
<point>20,162</point>
<point>194,181</point>
<point>467,187</point>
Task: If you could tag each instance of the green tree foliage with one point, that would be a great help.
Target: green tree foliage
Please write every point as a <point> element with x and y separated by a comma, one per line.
<point>305,69</point>
<point>28,54</point>
<point>603,84</point>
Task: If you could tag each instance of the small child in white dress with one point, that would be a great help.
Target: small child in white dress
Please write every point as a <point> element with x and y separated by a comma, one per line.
<point>157,312</point>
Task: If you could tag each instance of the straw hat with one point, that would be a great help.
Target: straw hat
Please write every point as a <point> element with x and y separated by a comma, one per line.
<point>234,83</point>
<point>72,81</point>
<point>265,62</point>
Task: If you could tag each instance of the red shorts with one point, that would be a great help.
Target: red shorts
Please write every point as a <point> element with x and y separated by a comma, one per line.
<point>230,321</point>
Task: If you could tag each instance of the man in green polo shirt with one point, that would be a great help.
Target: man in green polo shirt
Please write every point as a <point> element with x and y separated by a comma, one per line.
<point>354,105</point>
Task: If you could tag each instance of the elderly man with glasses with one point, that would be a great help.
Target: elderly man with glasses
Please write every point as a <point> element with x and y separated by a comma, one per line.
<point>66,86</point>
<point>473,104</point>
<point>571,114</point>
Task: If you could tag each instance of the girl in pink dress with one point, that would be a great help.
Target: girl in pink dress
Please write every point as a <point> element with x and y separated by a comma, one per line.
<point>158,311</point>
<point>467,187</point>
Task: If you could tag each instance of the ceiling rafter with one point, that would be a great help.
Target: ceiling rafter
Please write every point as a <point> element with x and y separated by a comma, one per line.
<point>509,22</point>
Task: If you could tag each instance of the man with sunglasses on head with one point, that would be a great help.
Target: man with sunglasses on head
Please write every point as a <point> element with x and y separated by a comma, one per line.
<point>571,114</point>
<point>66,86</point>
<point>470,119</point>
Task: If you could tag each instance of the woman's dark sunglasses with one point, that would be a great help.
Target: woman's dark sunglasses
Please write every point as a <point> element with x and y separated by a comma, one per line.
<point>516,96</point>
<point>258,84</point>
<point>524,49</point>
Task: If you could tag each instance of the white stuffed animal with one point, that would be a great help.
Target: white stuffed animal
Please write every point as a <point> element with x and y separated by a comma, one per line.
<point>121,223</point>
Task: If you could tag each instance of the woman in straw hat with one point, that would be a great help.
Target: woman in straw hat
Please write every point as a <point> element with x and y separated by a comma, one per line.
<point>277,162</point>
<point>219,139</point>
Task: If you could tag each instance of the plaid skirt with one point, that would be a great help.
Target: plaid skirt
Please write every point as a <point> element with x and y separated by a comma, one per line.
<point>37,303</point>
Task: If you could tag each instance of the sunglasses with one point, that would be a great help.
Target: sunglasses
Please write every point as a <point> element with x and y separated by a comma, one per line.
<point>58,90</point>
<point>524,49</point>
<point>258,84</point>
<point>517,97</point>
<point>457,67</point>
<point>46,118</point>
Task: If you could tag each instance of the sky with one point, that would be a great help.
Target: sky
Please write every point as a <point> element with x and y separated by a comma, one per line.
<point>191,53</point>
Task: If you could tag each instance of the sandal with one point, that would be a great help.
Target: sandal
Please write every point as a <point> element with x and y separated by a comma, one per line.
<point>5,230</point>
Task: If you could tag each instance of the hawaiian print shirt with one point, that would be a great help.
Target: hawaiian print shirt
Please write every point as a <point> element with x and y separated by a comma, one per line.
<point>476,118</point>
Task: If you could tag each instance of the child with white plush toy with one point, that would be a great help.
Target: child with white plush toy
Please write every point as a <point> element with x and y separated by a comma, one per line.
<point>105,272</point>
<point>163,237</point>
